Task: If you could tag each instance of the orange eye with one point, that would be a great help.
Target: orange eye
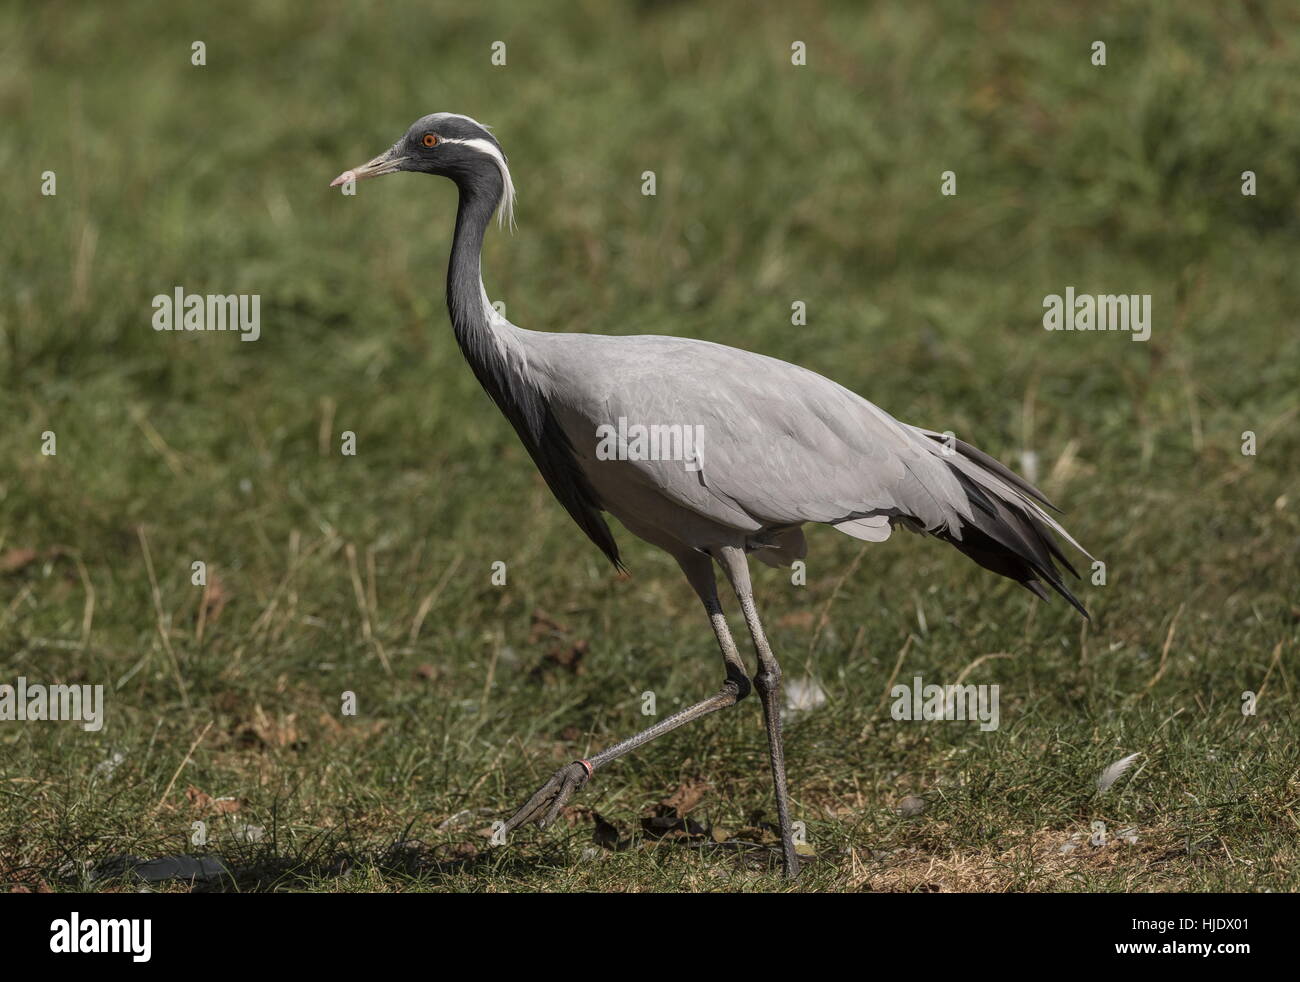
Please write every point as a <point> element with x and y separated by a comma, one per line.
<point>430,140</point>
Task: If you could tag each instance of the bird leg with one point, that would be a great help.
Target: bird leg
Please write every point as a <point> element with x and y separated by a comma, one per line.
<point>768,683</point>
<point>544,806</point>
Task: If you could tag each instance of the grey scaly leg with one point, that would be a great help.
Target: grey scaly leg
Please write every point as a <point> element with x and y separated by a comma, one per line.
<point>768,683</point>
<point>544,806</point>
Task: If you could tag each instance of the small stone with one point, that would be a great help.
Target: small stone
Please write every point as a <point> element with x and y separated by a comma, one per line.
<point>911,806</point>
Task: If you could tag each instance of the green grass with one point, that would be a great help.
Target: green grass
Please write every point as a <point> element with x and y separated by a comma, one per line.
<point>776,183</point>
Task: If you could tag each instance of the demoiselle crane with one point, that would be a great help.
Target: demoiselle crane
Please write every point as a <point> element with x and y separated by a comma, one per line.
<point>751,450</point>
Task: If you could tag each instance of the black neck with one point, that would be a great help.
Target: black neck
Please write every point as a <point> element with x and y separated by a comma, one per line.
<point>464,277</point>
<point>486,346</point>
<point>491,350</point>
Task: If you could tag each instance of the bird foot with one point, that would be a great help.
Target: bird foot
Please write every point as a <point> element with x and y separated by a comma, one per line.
<point>544,806</point>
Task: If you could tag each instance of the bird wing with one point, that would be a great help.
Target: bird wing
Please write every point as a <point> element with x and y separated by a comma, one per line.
<point>780,445</point>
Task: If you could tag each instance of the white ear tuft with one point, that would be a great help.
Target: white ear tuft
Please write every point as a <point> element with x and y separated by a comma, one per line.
<point>506,210</point>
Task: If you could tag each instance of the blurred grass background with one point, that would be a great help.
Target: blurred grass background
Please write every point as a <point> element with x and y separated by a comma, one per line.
<point>775,183</point>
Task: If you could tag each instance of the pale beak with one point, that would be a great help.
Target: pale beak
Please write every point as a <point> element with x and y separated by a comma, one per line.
<point>386,163</point>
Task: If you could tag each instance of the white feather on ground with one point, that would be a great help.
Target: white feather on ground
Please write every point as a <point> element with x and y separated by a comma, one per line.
<point>803,695</point>
<point>1116,770</point>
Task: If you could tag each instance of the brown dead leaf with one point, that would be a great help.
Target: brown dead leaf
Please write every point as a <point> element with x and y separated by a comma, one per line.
<point>425,671</point>
<point>204,803</point>
<point>570,656</point>
<point>199,800</point>
<point>228,701</point>
<point>563,656</point>
<point>564,652</point>
<point>573,814</point>
<point>40,886</point>
<point>16,560</point>
<point>331,723</point>
<point>217,598</point>
<point>796,618</point>
<point>544,625</point>
<point>686,797</point>
<point>265,731</point>
<point>453,851</point>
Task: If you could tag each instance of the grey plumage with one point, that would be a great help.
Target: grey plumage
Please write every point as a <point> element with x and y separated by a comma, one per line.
<point>782,447</point>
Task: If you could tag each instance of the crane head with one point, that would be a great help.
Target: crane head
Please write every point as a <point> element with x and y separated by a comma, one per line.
<point>449,145</point>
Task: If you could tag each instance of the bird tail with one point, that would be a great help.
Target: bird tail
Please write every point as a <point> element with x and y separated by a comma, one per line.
<point>1010,533</point>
